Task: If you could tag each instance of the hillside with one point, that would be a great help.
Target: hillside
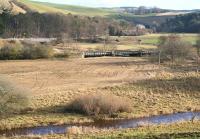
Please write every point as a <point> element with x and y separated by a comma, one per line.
<point>150,21</point>
<point>44,7</point>
<point>4,5</point>
<point>189,23</point>
<point>17,9</point>
<point>150,17</point>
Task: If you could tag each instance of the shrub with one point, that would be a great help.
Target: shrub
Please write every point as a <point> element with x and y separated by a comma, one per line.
<point>100,104</point>
<point>12,98</point>
<point>36,52</point>
<point>198,45</point>
<point>12,51</point>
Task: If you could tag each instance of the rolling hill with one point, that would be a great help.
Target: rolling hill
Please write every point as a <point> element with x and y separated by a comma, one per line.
<point>44,7</point>
<point>17,9</point>
<point>147,16</point>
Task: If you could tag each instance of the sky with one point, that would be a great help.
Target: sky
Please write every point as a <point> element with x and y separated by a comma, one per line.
<point>166,4</point>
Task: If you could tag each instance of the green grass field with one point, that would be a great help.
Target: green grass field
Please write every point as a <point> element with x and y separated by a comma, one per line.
<point>153,38</point>
<point>149,42</point>
<point>44,7</point>
<point>41,8</point>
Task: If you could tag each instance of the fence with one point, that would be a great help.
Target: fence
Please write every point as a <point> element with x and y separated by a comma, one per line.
<point>117,53</point>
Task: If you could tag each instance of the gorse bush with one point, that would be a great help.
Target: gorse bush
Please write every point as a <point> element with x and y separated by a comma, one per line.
<point>100,104</point>
<point>36,52</point>
<point>12,97</point>
<point>12,51</point>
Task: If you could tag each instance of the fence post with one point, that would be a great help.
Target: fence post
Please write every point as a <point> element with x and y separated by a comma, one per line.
<point>159,57</point>
<point>83,55</point>
<point>197,64</point>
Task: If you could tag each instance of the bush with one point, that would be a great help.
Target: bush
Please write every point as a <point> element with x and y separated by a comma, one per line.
<point>100,104</point>
<point>12,51</point>
<point>12,98</point>
<point>36,52</point>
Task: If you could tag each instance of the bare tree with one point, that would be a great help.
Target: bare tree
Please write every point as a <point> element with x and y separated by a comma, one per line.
<point>198,52</point>
<point>198,45</point>
<point>173,48</point>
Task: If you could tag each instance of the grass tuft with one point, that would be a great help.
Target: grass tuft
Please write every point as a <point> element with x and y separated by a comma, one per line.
<point>100,104</point>
<point>13,99</point>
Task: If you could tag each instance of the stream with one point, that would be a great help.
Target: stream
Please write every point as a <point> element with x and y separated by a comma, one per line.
<point>115,124</point>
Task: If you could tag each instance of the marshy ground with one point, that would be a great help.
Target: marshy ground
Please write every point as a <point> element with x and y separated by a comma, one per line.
<point>153,90</point>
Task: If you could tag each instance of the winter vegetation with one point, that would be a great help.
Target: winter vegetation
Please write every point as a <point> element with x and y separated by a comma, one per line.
<point>45,80</point>
<point>13,98</point>
<point>100,104</point>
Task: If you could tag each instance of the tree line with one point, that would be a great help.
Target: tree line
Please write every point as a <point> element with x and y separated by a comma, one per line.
<point>142,10</point>
<point>34,24</point>
<point>189,23</point>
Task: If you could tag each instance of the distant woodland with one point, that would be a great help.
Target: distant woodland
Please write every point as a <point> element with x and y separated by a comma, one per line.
<point>34,24</point>
<point>189,23</point>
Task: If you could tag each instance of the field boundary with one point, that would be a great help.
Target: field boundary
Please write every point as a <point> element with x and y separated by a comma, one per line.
<point>118,53</point>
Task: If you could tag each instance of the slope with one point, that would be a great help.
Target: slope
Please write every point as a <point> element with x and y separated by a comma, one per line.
<point>44,7</point>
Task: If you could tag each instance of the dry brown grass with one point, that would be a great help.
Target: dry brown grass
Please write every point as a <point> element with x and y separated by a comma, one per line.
<point>12,97</point>
<point>63,81</point>
<point>55,83</point>
<point>16,9</point>
<point>100,104</point>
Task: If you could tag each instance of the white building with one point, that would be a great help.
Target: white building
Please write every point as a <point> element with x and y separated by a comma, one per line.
<point>140,26</point>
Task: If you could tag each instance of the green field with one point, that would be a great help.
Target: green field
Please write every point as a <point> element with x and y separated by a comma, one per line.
<point>148,42</point>
<point>44,7</point>
<point>153,38</point>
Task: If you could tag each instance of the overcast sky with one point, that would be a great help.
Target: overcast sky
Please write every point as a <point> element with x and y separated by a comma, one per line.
<point>167,4</point>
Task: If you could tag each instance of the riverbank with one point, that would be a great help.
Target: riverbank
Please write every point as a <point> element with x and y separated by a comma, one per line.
<point>81,128</point>
<point>187,130</point>
<point>178,130</point>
